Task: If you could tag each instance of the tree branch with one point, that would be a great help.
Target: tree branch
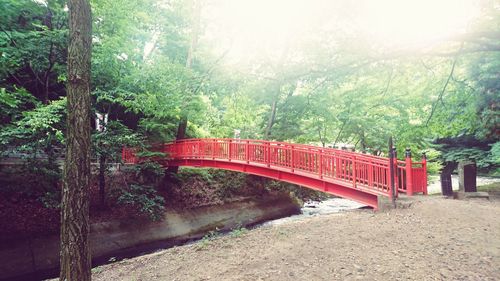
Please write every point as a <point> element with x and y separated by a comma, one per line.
<point>440,97</point>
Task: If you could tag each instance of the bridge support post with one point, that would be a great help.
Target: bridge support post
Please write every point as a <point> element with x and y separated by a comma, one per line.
<point>213,150</point>
<point>424,166</point>
<point>393,193</point>
<point>409,171</point>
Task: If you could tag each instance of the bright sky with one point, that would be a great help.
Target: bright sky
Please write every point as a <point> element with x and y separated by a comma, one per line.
<point>249,26</point>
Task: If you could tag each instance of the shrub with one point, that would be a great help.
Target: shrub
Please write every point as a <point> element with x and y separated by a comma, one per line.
<point>231,183</point>
<point>186,173</point>
<point>144,198</point>
<point>35,178</point>
<point>149,172</point>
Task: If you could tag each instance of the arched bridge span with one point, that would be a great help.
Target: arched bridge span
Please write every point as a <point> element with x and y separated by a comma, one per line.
<point>360,177</point>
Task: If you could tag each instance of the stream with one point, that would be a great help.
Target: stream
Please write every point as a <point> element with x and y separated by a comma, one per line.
<point>317,208</point>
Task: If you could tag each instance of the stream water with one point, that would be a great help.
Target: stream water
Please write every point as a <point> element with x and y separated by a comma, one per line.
<point>317,208</point>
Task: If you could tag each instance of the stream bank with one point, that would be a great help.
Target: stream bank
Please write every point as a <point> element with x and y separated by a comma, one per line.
<point>38,258</point>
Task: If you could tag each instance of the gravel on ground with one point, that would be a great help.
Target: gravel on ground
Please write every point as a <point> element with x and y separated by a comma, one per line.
<point>434,239</point>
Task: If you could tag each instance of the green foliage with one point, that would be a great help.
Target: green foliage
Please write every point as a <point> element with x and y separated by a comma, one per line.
<point>434,165</point>
<point>33,41</point>
<point>149,172</point>
<point>109,142</point>
<point>231,183</point>
<point>238,232</point>
<point>325,88</point>
<point>209,237</point>
<point>40,129</point>
<point>495,153</point>
<point>142,192</point>
<point>12,104</point>
<point>35,179</point>
<point>150,154</point>
<point>145,199</point>
<point>186,173</point>
<point>481,157</point>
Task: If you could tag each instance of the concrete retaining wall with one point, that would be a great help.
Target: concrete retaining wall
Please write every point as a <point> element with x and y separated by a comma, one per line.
<point>34,258</point>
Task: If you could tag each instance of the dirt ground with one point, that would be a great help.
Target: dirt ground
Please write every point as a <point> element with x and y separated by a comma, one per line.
<point>435,239</point>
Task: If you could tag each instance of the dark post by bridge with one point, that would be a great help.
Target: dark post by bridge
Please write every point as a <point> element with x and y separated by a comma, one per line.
<point>392,169</point>
<point>424,166</point>
<point>467,176</point>
<point>446,186</point>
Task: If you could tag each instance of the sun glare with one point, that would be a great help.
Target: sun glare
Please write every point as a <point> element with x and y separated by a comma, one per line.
<point>416,23</point>
<point>269,25</point>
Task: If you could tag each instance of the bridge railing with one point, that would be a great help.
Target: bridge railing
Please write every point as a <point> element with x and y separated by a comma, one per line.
<point>411,177</point>
<point>360,171</point>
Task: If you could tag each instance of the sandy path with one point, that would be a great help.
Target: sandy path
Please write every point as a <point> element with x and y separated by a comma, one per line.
<point>436,239</point>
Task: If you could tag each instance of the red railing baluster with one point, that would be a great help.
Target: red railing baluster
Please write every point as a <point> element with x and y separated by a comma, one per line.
<point>247,156</point>
<point>370,174</point>
<point>268,161</point>
<point>409,173</point>
<point>213,149</point>
<point>354,171</point>
<point>320,166</point>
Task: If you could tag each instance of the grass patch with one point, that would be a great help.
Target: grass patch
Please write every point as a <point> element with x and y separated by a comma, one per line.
<point>208,238</point>
<point>237,232</point>
<point>490,187</point>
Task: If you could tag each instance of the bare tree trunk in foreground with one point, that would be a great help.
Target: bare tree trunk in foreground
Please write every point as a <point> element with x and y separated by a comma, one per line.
<point>75,250</point>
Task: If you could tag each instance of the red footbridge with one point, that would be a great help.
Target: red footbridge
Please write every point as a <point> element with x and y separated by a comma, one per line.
<point>360,177</point>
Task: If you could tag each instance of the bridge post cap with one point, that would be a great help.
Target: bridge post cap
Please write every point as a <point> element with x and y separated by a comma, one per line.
<point>408,152</point>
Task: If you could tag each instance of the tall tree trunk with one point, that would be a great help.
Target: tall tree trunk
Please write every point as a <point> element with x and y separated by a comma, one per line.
<point>183,122</point>
<point>75,252</point>
<point>280,81</point>
<point>195,24</point>
<point>362,140</point>
<point>270,121</point>
<point>181,129</point>
<point>272,115</point>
